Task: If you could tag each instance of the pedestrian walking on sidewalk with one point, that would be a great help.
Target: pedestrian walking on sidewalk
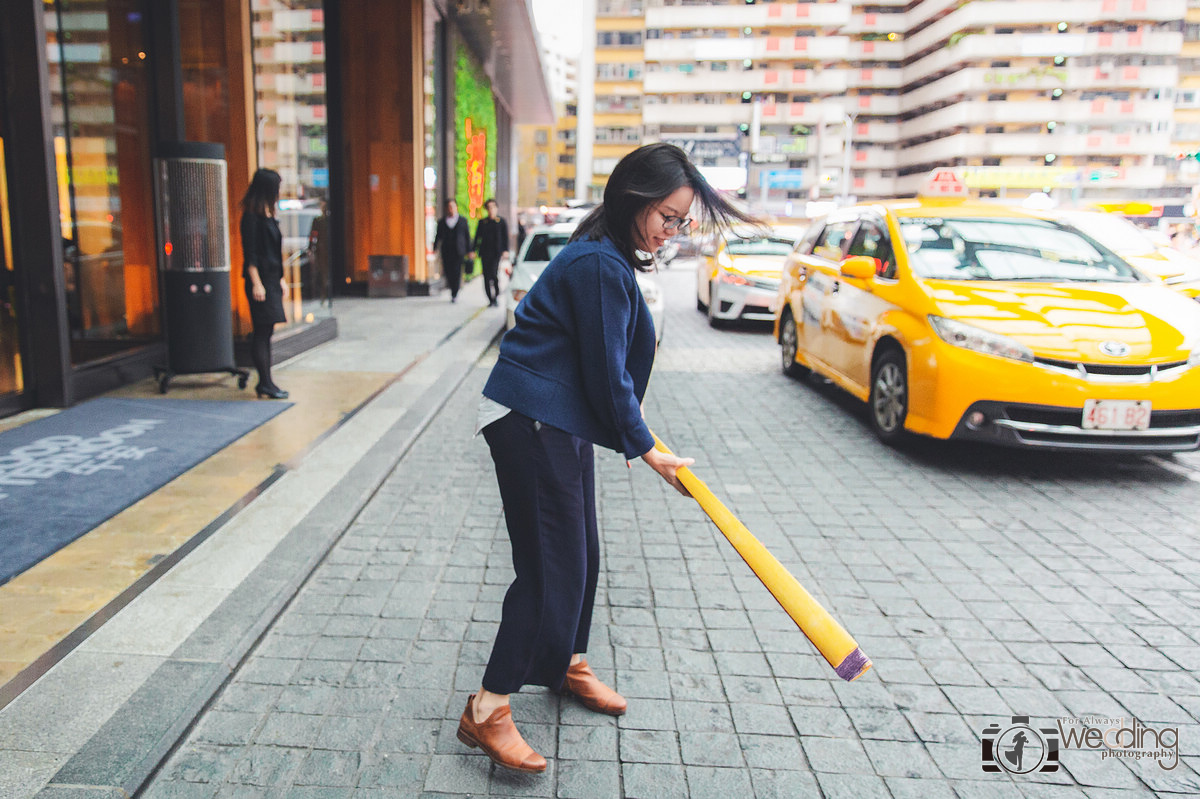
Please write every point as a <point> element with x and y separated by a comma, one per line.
<point>454,237</point>
<point>572,373</point>
<point>491,245</point>
<point>262,273</point>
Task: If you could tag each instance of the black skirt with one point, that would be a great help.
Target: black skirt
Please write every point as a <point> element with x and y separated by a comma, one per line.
<point>270,310</point>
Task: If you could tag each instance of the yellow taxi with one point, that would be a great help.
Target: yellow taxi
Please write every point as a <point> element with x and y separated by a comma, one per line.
<point>1157,259</point>
<point>739,277</point>
<point>965,319</point>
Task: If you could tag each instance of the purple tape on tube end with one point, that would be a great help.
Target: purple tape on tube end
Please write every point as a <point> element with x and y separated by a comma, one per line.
<point>853,666</point>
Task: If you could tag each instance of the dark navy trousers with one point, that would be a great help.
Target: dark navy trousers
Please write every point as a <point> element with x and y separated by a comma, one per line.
<point>547,484</point>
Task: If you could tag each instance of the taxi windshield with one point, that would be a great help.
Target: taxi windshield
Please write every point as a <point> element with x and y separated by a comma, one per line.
<point>763,246</point>
<point>1115,232</point>
<point>942,248</point>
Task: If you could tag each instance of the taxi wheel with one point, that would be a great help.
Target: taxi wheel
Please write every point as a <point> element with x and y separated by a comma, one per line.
<point>787,347</point>
<point>888,403</point>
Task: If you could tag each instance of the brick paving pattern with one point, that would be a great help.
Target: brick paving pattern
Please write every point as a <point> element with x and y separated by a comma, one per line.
<point>983,583</point>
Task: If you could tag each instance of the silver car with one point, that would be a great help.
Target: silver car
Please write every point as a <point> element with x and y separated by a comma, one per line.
<point>544,242</point>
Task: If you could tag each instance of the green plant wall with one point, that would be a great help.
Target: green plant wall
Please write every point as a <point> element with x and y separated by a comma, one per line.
<point>473,101</point>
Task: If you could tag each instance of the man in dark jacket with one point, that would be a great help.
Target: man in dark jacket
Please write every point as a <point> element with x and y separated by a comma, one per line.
<point>454,236</point>
<point>491,244</point>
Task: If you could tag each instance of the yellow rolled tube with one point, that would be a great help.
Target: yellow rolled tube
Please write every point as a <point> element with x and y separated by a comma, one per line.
<point>829,637</point>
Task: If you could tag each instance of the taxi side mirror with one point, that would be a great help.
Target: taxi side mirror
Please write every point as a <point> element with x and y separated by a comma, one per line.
<point>859,267</point>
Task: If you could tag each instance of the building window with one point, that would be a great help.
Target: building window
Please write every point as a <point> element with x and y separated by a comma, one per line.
<point>618,135</point>
<point>619,39</point>
<point>618,71</point>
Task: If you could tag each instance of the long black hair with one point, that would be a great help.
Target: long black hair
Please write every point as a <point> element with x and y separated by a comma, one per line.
<point>648,175</point>
<point>263,192</point>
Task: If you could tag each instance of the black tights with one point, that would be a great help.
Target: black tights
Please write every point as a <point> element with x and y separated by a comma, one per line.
<point>260,353</point>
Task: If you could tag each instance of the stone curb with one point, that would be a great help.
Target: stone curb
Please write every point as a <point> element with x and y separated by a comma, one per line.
<point>131,745</point>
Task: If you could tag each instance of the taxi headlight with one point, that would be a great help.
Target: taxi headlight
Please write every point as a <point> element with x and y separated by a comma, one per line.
<point>1194,357</point>
<point>973,338</point>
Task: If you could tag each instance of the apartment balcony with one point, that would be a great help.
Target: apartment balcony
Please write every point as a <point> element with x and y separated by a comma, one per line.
<point>303,20</point>
<point>697,113</point>
<point>873,22</point>
<point>874,186</point>
<point>876,51</point>
<point>1037,112</point>
<point>975,81</point>
<point>1035,145</point>
<point>620,119</point>
<point>769,15</point>
<point>829,81</point>
<point>880,132</point>
<point>925,11</point>
<point>874,78</point>
<point>311,115</point>
<point>974,16</point>
<point>801,113</point>
<point>290,83</point>
<point>874,158</point>
<point>983,47</point>
<point>884,105</point>
<point>290,53</point>
<point>798,48</point>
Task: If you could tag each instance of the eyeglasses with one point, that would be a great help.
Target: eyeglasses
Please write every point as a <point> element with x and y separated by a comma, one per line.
<point>672,223</point>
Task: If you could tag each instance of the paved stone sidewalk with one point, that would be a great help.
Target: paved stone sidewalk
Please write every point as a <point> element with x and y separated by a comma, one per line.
<point>982,586</point>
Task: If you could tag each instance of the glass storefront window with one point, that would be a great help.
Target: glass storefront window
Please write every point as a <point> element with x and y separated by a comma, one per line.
<point>293,139</point>
<point>11,376</point>
<point>99,95</point>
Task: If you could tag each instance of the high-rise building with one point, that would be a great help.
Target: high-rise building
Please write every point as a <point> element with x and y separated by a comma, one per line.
<point>789,102</point>
<point>547,152</point>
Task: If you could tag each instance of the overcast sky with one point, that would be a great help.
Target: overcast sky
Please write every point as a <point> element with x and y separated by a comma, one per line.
<point>560,17</point>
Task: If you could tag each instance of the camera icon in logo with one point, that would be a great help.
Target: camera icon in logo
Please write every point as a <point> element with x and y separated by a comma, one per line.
<point>1020,748</point>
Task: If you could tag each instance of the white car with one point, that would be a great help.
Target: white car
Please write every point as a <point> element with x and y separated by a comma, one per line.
<point>738,278</point>
<point>544,242</point>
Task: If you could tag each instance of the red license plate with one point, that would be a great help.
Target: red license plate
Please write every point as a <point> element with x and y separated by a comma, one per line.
<point>1116,415</point>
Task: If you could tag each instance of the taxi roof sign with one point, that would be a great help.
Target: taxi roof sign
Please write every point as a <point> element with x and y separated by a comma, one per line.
<point>944,183</point>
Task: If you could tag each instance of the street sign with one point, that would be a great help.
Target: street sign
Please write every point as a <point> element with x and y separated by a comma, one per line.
<point>782,179</point>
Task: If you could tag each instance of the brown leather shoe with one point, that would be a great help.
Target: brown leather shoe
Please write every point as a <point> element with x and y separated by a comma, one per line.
<point>594,695</point>
<point>499,739</point>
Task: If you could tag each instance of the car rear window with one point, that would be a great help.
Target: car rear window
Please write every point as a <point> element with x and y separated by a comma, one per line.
<point>544,246</point>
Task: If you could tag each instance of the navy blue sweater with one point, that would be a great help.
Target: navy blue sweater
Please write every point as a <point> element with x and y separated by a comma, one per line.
<point>580,354</point>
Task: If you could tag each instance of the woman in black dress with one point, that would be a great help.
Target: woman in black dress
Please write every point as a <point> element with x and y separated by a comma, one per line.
<point>262,271</point>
